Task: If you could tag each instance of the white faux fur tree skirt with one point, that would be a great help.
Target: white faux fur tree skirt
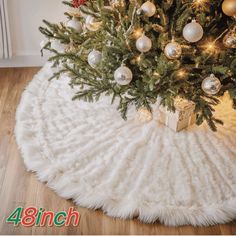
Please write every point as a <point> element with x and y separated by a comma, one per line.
<point>128,169</point>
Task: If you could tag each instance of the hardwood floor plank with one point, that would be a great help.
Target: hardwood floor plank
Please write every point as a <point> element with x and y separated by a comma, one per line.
<point>21,188</point>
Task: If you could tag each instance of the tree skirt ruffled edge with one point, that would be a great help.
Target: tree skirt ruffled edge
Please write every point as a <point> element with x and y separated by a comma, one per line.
<point>141,198</point>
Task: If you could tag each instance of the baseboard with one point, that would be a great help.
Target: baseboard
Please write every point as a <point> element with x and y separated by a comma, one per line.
<point>24,61</point>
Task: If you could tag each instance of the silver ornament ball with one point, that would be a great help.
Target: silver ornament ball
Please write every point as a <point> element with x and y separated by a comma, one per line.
<point>211,85</point>
<point>123,75</point>
<point>144,44</point>
<point>94,58</point>
<point>193,32</point>
<point>173,50</point>
<point>229,40</point>
<point>149,9</point>
<point>75,24</point>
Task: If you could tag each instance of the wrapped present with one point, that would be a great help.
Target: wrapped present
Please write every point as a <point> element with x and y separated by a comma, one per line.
<point>183,116</point>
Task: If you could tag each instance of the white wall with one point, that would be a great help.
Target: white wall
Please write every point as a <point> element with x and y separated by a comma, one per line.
<point>25,18</point>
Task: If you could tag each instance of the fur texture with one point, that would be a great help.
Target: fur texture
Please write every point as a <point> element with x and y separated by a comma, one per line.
<point>128,169</point>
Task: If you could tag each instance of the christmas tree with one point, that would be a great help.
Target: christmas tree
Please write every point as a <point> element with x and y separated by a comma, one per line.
<point>138,51</point>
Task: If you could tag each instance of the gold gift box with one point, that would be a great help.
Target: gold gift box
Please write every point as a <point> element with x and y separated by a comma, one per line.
<point>183,116</point>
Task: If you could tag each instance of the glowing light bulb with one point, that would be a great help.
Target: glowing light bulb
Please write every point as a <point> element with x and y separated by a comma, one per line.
<point>138,33</point>
<point>156,74</point>
<point>200,4</point>
<point>210,47</point>
<point>138,59</point>
<point>181,73</point>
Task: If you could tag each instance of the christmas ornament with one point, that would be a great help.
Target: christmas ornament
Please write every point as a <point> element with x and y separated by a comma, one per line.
<point>173,50</point>
<point>144,44</point>
<point>75,24</point>
<point>229,40</point>
<point>148,8</point>
<point>123,75</point>
<point>193,32</point>
<point>211,85</point>
<point>144,115</point>
<point>91,23</point>
<point>229,7</point>
<point>94,58</point>
<point>57,45</point>
<point>78,3</point>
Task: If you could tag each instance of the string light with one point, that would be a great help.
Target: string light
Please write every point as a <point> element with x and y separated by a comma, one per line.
<point>181,73</point>
<point>138,59</point>
<point>200,4</point>
<point>156,74</point>
<point>137,33</point>
<point>210,47</point>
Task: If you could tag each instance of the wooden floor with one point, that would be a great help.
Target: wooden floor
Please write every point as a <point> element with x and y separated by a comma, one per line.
<point>21,188</point>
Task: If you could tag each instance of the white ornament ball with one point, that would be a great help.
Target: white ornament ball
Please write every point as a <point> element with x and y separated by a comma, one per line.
<point>144,44</point>
<point>211,85</point>
<point>91,23</point>
<point>75,24</point>
<point>193,32</point>
<point>123,75</point>
<point>94,58</point>
<point>57,45</point>
<point>173,50</point>
<point>149,9</point>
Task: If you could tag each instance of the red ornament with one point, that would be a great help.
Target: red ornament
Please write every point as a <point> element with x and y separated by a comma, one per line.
<point>78,3</point>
